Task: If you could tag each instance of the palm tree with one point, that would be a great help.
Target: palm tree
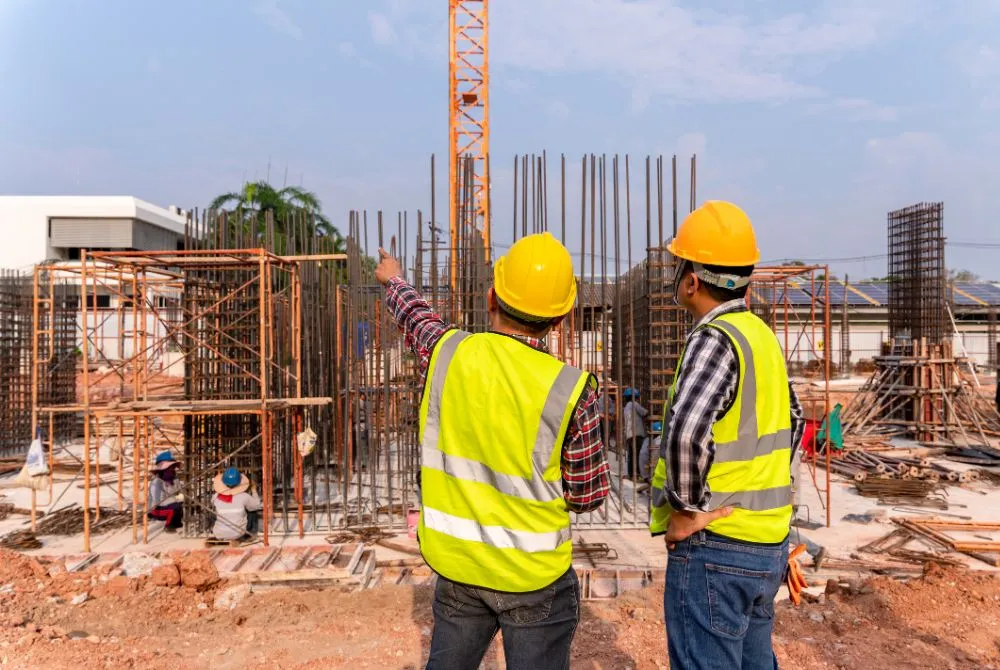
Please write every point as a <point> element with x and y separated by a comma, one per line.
<point>257,198</point>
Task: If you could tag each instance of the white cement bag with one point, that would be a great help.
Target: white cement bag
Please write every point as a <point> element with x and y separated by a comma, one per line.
<point>36,458</point>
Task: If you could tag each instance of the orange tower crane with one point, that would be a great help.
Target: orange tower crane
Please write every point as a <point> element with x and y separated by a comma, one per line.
<point>469,119</point>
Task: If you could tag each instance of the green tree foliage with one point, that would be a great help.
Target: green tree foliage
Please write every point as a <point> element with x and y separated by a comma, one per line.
<point>288,204</point>
<point>962,275</point>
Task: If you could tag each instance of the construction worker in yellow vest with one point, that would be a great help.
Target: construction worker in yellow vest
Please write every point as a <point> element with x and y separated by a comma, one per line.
<point>722,485</point>
<point>511,444</point>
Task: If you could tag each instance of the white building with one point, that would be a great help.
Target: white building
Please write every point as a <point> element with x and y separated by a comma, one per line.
<point>44,228</point>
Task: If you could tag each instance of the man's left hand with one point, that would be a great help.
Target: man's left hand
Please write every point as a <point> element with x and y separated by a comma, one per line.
<point>683,525</point>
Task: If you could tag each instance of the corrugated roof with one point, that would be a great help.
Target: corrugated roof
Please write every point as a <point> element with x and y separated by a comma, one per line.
<point>591,293</point>
<point>872,294</point>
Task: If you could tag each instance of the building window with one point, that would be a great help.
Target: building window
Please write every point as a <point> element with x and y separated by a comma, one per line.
<point>93,302</point>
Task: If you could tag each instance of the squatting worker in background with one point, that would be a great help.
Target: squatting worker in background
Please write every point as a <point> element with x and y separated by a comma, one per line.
<point>722,486</point>
<point>511,444</point>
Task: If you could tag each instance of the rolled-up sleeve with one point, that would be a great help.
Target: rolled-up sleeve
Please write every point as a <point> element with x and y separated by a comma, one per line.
<point>706,386</point>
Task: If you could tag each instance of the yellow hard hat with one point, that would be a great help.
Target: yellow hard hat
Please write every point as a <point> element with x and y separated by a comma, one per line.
<point>535,278</point>
<point>717,233</point>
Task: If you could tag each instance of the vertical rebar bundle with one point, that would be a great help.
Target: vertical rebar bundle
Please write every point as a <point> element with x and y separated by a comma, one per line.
<point>56,379</point>
<point>15,372</point>
<point>917,275</point>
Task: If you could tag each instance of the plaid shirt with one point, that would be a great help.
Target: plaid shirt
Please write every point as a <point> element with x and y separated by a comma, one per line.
<point>584,465</point>
<point>706,387</point>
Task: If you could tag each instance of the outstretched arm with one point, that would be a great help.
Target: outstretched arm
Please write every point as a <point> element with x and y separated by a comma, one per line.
<point>414,316</point>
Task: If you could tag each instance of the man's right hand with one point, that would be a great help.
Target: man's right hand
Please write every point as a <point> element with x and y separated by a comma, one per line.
<point>683,525</point>
<point>388,267</point>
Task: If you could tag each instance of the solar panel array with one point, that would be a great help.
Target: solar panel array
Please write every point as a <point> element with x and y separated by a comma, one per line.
<point>869,294</point>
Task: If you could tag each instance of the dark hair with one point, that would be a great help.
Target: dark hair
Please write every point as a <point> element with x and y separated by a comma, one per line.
<point>725,294</point>
<point>532,328</point>
<point>716,292</point>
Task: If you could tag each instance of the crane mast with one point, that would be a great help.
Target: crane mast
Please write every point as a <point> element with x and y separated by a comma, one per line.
<point>469,125</point>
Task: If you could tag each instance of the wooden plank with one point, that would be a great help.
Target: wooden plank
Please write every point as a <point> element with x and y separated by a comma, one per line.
<point>84,563</point>
<point>369,569</point>
<point>303,558</point>
<point>356,557</point>
<point>317,575</point>
<point>314,257</point>
<point>243,559</point>
<point>271,558</point>
<point>989,559</point>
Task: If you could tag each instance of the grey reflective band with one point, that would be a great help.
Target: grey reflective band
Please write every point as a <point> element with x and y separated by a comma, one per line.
<point>761,500</point>
<point>536,488</point>
<point>552,416</point>
<point>659,497</point>
<point>459,467</point>
<point>740,450</point>
<point>725,281</point>
<point>446,352</point>
<point>748,445</point>
<point>494,536</point>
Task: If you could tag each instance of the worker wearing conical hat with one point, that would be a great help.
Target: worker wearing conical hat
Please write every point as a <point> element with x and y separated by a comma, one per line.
<point>511,444</point>
<point>722,485</point>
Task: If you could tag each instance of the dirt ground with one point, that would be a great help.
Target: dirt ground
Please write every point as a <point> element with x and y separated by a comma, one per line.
<point>101,619</point>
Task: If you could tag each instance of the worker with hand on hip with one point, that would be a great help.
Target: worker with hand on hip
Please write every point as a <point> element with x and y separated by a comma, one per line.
<point>722,485</point>
<point>511,444</point>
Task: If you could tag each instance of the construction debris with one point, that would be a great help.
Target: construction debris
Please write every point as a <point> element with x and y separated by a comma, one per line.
<point>920,390</point>
<point>369,535</point>
<point>942,533</point>
<point>896,488</point>
<point>69,521</point>
<point>20,540</point>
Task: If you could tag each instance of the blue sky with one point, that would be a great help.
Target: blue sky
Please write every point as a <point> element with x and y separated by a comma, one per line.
<point>816,117</point>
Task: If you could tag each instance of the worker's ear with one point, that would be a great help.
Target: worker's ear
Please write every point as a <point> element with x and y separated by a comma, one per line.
<point>491,301</point>
<point>690,285</point>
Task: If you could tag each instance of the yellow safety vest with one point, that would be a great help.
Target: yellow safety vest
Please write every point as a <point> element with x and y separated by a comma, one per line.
<point>752,467</point>
<point>493,417</point>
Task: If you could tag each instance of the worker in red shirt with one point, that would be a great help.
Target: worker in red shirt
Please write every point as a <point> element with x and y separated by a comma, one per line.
<point>511,444</point>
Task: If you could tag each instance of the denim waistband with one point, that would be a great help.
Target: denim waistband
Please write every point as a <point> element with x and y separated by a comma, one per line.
<point>709,539</point>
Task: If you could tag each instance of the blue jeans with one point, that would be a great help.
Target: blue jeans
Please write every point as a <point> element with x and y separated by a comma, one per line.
<point>719,602</point>
<point>538,627</point>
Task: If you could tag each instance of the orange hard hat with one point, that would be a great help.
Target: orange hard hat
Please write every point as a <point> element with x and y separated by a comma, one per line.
<point>535,278</point>
<point>717,233</point>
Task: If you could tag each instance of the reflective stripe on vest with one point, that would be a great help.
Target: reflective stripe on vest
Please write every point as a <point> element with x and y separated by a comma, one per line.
<point>492,422</point>
<point>535,488</point>
<point>742,454</point>
<point>659,510</point>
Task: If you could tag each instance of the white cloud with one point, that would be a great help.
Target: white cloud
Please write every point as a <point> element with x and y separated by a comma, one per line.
<point>382,31</point>
<point>980,63</point>
<point>665,48</point>
<point>271,13</point>
<point>856,109</point>
<point>918,166</point>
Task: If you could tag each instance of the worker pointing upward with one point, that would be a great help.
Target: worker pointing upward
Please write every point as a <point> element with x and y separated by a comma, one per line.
<point>511,444</point>
<point>722,486</point>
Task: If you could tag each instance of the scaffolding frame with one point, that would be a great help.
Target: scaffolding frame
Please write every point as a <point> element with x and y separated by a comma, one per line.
<point>803,331</point>
<point>266,363</point>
